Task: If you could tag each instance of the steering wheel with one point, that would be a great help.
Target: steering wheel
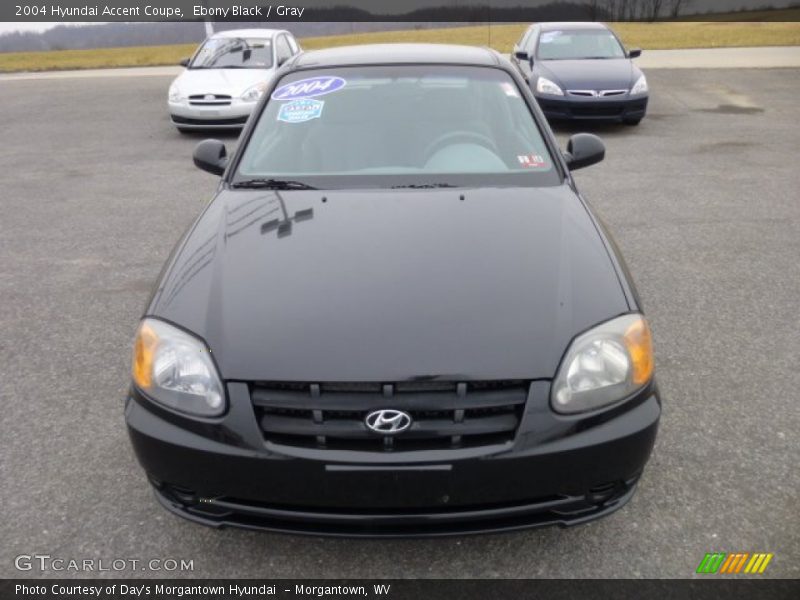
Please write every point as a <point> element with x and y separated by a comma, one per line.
<point>458,136</point>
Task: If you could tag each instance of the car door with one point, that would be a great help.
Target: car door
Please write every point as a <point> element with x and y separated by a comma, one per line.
<point>283,50</point>
<point>526,67</point>
<point>294,44</point>
<point>528,45</point>
<point>519,45</point>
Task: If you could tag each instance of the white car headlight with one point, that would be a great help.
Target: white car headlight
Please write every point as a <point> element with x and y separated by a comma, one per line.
<point>175,93</point>
<point>545,86</point>
<point>252,94</point>
<point>175,368</point>
<point>604,365</point>
<point>640,87</point>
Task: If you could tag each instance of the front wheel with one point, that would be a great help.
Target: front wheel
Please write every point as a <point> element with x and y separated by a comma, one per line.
<point>632,121</point>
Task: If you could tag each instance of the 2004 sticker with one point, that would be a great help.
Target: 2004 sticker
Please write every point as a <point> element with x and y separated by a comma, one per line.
<point>299,111</point>
<point>309,88</point>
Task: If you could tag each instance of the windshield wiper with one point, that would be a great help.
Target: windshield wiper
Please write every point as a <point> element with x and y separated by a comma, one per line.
<point>272,184</point>
<point>423,186</point>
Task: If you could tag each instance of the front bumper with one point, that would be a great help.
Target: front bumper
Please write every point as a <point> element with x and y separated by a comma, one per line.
<point>198,116</point>
<point>581,108</point>
<point>557,470</point>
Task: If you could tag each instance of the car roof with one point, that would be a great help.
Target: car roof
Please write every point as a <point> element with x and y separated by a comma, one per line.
<point>572,25</point>
<point>252,33</point>
<point>382,54</point>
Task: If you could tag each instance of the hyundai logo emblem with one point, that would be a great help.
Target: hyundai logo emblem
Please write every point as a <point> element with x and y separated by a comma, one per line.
<point>388,421</point>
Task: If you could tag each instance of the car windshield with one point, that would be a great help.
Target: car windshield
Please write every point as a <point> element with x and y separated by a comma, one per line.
<point>398,126</point>
<point>233,53</point>
<point>579,44</point>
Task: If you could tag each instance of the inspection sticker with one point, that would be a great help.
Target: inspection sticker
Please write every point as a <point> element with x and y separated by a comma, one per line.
<point>299,111</point>
<point>308,88</point>
<point>531,160</point>
<point>549,36</point>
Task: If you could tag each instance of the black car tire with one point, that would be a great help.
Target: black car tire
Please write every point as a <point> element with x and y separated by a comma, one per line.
<point>632,121</point>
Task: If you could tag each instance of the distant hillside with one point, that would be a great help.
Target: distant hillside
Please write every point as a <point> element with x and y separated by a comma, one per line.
<point>115,35</point>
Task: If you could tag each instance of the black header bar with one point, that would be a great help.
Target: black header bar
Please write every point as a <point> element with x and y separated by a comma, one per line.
<point>264,11</point>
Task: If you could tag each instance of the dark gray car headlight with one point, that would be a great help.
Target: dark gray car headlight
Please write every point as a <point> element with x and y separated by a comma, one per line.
<point>640,87</point>
<point>175,369</point>
<point>545,86</point>
<point>604,365</point>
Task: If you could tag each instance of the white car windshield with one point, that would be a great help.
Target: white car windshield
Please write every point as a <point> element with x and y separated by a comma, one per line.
<point>233,53</point>
<point>579,44</point>
<point>399,125</point>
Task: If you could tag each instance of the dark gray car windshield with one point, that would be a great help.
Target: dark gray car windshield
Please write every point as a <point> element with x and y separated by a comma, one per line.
<point>395,126</point>
<point>233,53</point>
<point>579,44</point>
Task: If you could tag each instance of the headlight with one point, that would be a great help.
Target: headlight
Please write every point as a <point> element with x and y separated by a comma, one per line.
<point>640,87</point>
<point>545,86</point>
<point>254,93</point>
<point>174,93</point>
<point>175,369</point>
<point>604,365</point>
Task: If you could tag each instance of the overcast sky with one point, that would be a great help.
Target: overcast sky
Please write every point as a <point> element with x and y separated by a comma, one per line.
<point>6,27</point>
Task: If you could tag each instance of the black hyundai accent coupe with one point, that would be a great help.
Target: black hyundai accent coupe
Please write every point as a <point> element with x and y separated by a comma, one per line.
<point>397,316</point>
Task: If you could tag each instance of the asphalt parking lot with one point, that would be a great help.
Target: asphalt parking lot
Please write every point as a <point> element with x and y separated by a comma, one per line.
<point>702,198</point>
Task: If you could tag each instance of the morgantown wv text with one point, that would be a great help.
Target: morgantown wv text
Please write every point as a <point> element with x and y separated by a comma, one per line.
<point>211,591</point>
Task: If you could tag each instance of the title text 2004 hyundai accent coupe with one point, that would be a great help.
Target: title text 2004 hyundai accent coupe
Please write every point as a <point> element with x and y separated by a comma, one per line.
<point>397,316</point>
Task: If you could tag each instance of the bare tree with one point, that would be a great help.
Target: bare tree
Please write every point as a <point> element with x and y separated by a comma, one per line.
<point>652,9</point>
<point>675,7</point>
<point>621,12</point>
<point>632,10</point>
<point>593,8</point>
<point>612,8</point>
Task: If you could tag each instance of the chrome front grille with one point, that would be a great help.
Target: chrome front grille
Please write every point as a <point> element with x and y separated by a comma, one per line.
<point>596,93</point>
<point>443,414</point>
<point>210,100</point>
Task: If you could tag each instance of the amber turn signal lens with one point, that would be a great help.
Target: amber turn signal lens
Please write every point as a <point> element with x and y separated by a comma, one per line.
<point>639,343</point>
<point>144,349</point>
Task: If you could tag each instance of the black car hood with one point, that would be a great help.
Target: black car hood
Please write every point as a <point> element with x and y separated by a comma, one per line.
<point>391,285</point>
<point>589,74</point>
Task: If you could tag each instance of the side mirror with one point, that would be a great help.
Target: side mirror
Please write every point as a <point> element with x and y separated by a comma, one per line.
<point>184,62</point>
<point>521,55</point>
<point>211,156</point>
<point>583,150</point>
<point>634,52</point>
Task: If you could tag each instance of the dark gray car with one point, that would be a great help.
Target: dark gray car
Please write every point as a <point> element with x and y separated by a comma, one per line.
<point>581,71</point>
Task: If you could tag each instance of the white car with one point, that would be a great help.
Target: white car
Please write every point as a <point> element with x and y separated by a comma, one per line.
<point>226,76</point>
